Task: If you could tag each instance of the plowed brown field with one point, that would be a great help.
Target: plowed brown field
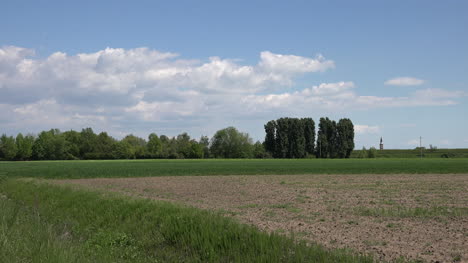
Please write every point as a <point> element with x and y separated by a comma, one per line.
<point>391,216</point>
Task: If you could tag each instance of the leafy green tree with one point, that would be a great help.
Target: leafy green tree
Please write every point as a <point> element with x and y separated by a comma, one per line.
<point>282,134</point>
<point>270,137</point>
<point>345,138</point>
<point>49,145</point>
<point>137,144</point>
<point>87,141</point>
<point>327,139</point>
<point>290,137</point>
<point>169,147</point>
<point>259,150</point>
<point>106,147</point>
<point>8,148</point>
<point>72,144</point>
<point>24,146</point>
<point>205,143</point>
<point>332,137</point>
<point>309,135</point>
<point>124,150</point>
<point>183,145</point>
<point>230,143</point>
<point>322,139</point>
<point>196,150</point>
<point>154,146</point>
<point>296,138</point>
<point>362,153</point>
<point>372,152</point>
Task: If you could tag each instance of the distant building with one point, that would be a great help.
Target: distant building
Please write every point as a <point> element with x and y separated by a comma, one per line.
<point>381,143</point>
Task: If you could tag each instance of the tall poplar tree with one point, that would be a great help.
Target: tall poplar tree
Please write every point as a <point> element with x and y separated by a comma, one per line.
<point>309,135</point>
<point>282,140</point>
<point>321,150</point>
<point>270,137</point>
<point>345,134</point>
<point>296,138</point>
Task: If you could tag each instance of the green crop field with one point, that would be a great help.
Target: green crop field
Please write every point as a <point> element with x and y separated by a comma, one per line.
<point>142,168</point>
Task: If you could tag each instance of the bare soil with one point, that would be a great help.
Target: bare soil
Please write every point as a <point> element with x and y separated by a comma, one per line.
<point>416,217</point>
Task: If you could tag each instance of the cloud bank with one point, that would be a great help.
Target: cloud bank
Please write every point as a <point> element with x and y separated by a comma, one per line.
<point>129,89</point>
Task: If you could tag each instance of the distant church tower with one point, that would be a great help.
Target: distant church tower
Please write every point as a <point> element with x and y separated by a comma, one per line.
<point>381,143</point>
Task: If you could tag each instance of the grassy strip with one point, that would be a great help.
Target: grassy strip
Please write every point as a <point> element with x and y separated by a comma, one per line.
<point>136,230</point>
<point>421,212</point>
<point>416,153</point>
<point>140,168</point>
<point>26,237</point>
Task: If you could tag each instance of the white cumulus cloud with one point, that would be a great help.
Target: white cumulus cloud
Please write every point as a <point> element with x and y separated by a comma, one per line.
<point>293,64</point>
<point>117,89</point>
<point>366,129</point>
<point>404,81</point>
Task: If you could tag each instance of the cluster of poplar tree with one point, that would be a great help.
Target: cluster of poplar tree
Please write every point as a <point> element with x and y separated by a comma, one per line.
<point>73,145</point>
<point>295,138</point>
<point>285,138</point>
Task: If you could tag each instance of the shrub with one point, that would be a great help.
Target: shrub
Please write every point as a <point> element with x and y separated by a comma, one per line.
<point>372,152</point>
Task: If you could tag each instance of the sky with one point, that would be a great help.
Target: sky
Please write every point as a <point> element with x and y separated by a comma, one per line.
<point>397,69</point>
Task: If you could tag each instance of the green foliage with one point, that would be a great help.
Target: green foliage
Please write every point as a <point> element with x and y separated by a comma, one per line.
<point>154,146</point>
<point>290,137</point>
<point>326,139</point>
<point>49,145</point>
<point>270,137</point>
<point>138,230</point>
<point>345,136</point>
<point>72,145</point>
<point>8,147</point>
<point>335,140</point>
<point>205,144</point>
<point>24,146</point>
<point>169,147</point>
<point>124,150</point>
<point>282,142</point>
<point>87,142</point>
<point>372,152</point>
<point>184,145</point>
<point>297,147</point>
<point>259,150</point>
<point>136,146</point>
<point>106,147</point>
<point>362,153</point>
<point>309,135</point>
<point>230,143</point>
<point>447,155</point>
<point>196,150</point>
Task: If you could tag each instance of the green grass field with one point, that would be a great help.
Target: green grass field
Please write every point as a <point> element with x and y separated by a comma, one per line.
<point>141,168</point>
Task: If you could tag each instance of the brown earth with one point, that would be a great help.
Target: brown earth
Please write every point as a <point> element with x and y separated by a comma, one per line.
<point>417,217</point>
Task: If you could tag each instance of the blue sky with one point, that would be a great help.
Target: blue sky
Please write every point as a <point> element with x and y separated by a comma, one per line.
<point>397,69</point>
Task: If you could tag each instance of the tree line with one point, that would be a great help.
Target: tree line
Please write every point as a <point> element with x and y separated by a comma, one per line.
<point>85,145</point>
<point>285,138</point>
<point>295,138</point>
